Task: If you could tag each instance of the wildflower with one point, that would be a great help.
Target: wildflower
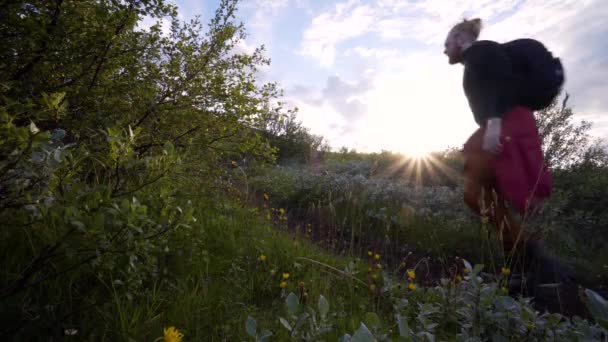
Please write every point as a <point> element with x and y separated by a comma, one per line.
<point>411,274</point>
<point>369,269</point>
<point>282,211</point>
<point>372,287</point>
<point>466,270</point>
<point>283,284</point>
<point>379,266</point>
<point>375,276</point>
<point>285,276</point>
<point>377,256</point>
<point>370,253</point>
<point>411,286</point>
<point>458,278</point>
<point>263,258</point>
<point>265,196</point>
<point>172,335</point>
<point>505,271</point>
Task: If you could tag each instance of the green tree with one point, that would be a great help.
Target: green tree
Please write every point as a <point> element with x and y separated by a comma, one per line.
<point>564,141</point>
<point>108,131</point>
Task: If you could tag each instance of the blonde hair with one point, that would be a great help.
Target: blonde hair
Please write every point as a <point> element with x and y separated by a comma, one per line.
<point>471,27</point>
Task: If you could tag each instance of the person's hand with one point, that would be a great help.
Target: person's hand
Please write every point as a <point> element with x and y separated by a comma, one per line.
<point>491,138</point>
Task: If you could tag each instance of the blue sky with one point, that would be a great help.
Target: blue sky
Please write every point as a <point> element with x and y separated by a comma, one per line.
<point>371,75</point>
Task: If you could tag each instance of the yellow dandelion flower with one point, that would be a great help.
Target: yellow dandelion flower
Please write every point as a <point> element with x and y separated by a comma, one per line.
<point>375,276</point>
<point>370,253</point>
<point>172,335</point>
<point>411,286</point>
<point>377,256</point>
<point>283,284</point>
<point>458,278</point>
<point>379,266</point>
<point>372,287</point>
<point>263,257</point>
<point>285,275</point>
<point>505,271</point>
<point>265,196</point>
<point>411,274</point>
<point>466,270</point>
<point>282,211</point>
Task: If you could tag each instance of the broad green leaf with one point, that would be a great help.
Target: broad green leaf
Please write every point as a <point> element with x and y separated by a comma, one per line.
<point>404,329</point>
<point>323,306</point>
<point>477,269</point>
<point>251,326</point>
<point>292,303</point>
<point>345,338</point>
<point>301,320</point>
<point>285,323</point>
<point>265,336</point>
<point>598,307</point>
<point>363,334</point>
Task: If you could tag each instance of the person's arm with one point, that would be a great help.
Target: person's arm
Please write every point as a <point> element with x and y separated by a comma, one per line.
<point>490,81</point>
<point>491,94</point>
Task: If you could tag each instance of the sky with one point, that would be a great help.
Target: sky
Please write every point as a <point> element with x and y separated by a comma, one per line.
<point>371,75</point>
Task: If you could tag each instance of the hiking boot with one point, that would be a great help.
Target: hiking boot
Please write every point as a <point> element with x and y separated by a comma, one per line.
<point>543,272</point>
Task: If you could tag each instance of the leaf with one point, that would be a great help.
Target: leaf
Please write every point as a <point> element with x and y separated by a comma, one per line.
<point>372,320</point>
<point>33,128</point>
<point>79,225</point>
<point>292,303</point>
<point>57,155</point>
<point>404,329</point>
<point>363,334</point>
<point>250,326</point>
<point>285,323</point>
<point>345,338</point>
<point>323,306</point>
<point>264,336</point>
<point>506,303</point>
<point>598,307</point>
<point>477,269</point>
<point>301,320</point>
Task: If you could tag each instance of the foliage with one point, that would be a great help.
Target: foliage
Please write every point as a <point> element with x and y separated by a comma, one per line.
<point>464,309</point>
<point>293,141</point>
<point>123,147</point>
<point>564,141</point>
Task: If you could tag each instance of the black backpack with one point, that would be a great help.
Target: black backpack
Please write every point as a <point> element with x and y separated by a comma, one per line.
<point>540,74</point>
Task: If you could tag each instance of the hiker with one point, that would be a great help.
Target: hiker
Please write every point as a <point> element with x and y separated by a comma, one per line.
<point>505,176</point>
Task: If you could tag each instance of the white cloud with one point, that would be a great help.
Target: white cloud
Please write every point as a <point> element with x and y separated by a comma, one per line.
<point>348,20</point>
<point>368,52</point>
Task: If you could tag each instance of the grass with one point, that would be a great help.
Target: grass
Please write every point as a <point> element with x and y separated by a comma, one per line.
<point>218,287</point>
